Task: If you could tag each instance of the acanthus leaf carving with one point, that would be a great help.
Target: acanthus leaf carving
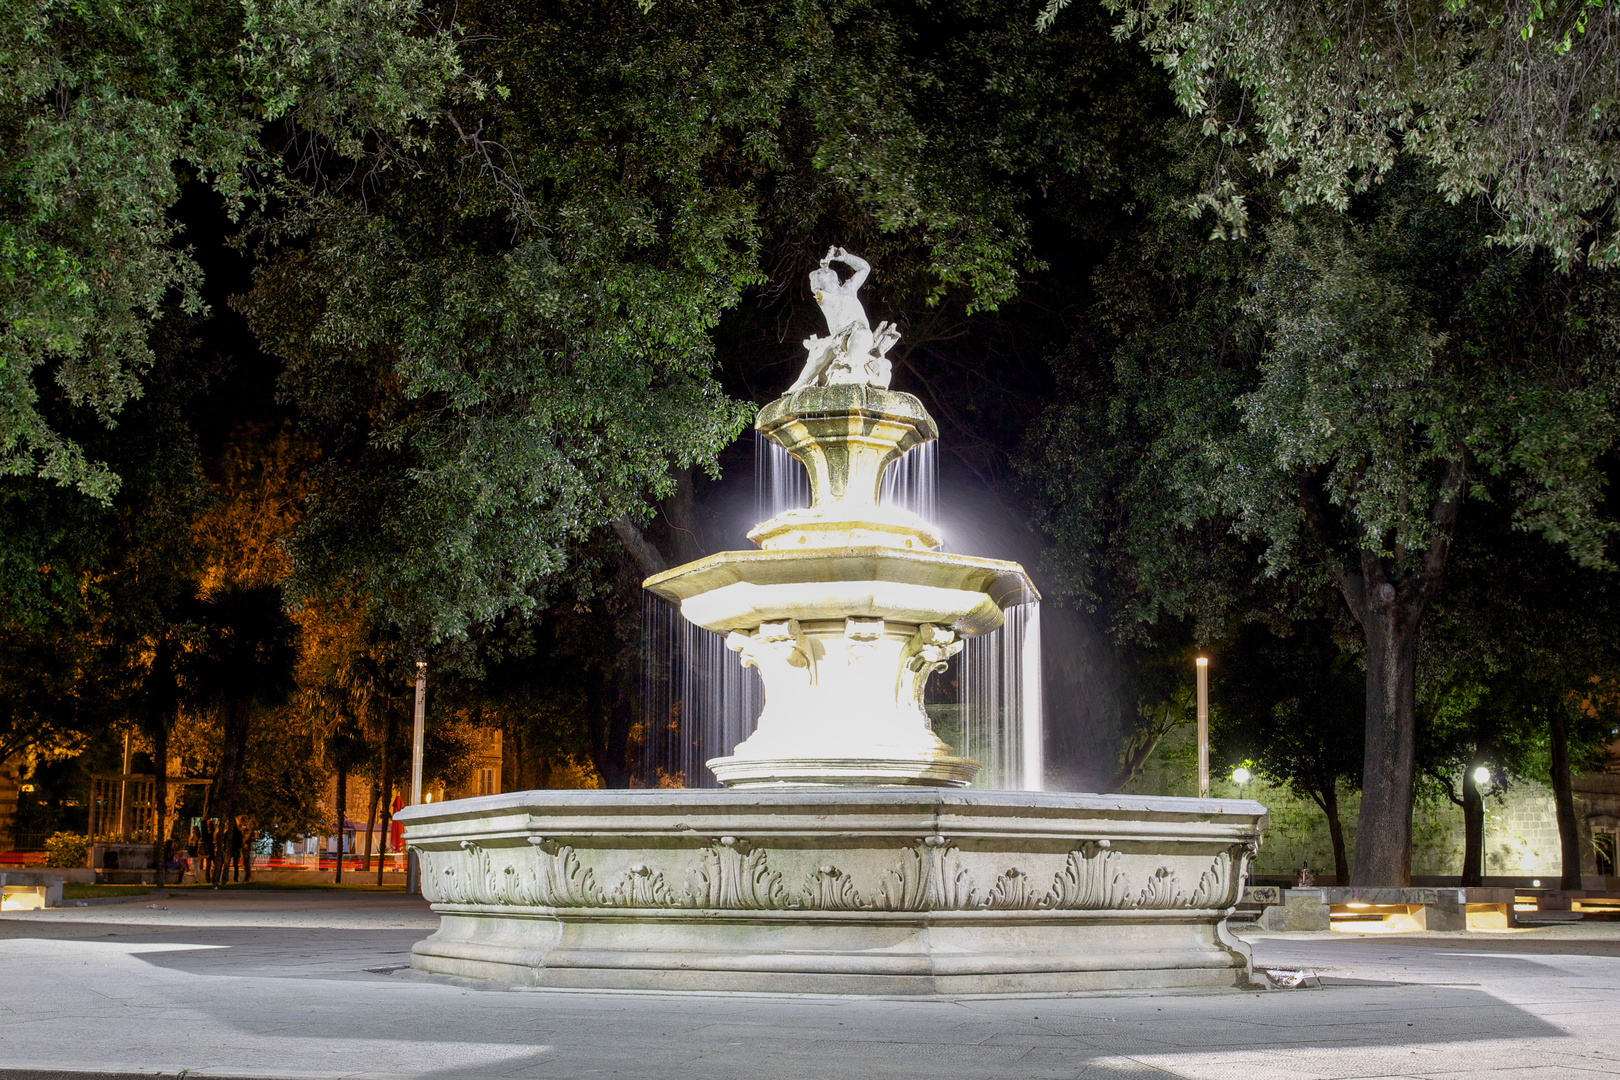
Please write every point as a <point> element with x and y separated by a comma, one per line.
<point>830,889</point>
<point>641,886</point>
<point>1161,891</point>
<point>1010,892</point>
<point>732,875</point>
<point>927,877</point>
<point>561,880</point>
<point>1090,881</point>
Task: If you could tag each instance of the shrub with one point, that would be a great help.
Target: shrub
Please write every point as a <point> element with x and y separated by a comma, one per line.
<point>67,849</point>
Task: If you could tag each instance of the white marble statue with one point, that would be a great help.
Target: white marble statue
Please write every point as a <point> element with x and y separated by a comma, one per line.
<point>852,352</point>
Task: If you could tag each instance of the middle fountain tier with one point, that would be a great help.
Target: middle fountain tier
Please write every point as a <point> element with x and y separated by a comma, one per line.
<point>847,608</point>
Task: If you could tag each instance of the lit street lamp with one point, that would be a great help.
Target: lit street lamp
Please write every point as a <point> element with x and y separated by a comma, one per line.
<point>1203,726</point>
<point>1482,776</point>
<point>1241,776</point>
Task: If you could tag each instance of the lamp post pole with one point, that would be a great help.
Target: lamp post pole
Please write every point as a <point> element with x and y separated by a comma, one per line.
<point>1203,726</point>
<point>413,882</point>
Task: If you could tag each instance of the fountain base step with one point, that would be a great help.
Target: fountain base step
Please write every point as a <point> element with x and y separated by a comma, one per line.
<point>797,772</point>
<point>867,891</point>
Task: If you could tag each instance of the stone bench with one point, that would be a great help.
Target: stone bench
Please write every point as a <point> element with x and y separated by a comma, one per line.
<point>1408,909</point>
<point>27,890</point>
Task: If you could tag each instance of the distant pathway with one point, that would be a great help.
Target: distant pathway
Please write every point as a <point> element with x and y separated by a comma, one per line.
<point>275,985</point>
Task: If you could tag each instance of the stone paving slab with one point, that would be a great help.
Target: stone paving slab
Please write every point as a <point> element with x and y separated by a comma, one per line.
<point>275,985</point>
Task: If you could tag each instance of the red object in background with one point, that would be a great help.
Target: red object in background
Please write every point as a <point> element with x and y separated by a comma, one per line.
<point>396,830</point>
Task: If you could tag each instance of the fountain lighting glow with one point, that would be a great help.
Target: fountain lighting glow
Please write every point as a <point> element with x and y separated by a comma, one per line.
<point>780,482</point>
<point>699,703</point>
<point>912,483</point>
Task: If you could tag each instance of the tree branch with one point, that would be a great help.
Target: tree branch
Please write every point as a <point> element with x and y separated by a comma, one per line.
<point>646,557</point>
<point>1352,584</point>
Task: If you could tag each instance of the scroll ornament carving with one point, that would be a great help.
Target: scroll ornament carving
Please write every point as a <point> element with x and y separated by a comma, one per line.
<point>775,642</point>
<point>927,651</point>
<point>733,875</point>
<point>861,633</point>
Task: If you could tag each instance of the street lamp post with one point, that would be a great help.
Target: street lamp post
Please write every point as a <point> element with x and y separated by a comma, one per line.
<point>1203,726</point>
<point>413,881</point>
<point>1482,776</point>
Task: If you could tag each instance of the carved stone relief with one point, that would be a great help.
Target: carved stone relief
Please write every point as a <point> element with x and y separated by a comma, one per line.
<point>732,874</point>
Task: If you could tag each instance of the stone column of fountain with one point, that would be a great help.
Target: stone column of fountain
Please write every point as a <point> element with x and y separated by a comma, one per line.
<point>839,859</point>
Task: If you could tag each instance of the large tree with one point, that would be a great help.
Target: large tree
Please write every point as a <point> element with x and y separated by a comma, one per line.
<point>1315,409</point>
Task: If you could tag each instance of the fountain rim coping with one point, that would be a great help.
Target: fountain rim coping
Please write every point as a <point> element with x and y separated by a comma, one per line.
<point>852,799</point>
<point>823,402</point>
<point>1003,568</point>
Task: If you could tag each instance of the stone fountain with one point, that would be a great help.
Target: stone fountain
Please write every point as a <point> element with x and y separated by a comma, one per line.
<point>844,855</point>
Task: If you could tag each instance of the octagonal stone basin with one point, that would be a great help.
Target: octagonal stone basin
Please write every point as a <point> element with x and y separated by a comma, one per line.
<point>739,590</point>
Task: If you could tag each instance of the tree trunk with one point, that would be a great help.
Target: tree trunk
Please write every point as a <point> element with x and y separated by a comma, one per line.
<point>1569,840</point>
<point>160,798</point>
<point>342,813</point>
<point>237,716</point>
<point>1473,808</point>
<point>1341,858</point>
<point>389,730</point>
<point>1387,596</point>
<point>371,821</point>
<point>1384,825</point>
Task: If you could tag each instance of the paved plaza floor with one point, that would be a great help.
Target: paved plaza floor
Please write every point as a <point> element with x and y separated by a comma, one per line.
<point>296,984</point>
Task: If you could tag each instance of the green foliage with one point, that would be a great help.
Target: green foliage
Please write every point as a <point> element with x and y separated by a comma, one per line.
<point>511,344</point>
<point>1321,396</point>
<point>1514,102</point>
<point>67,850</point>
<point>105,108</point>
<point>1292,705</point>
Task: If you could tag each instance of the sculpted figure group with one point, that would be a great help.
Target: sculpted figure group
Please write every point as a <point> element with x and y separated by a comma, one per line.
<point>852,352</point>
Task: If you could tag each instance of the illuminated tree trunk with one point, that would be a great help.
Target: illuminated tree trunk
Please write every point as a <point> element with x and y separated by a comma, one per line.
<point>237,716</point>
<point>1569,840</point>
<point>1327,799</point>
<point>371,821</point>
<point>1384,825</point>
<point>389,729</point>
<point>1473,808</point>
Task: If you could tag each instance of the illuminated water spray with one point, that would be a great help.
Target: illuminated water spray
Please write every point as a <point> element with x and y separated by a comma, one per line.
<point>699,702</point>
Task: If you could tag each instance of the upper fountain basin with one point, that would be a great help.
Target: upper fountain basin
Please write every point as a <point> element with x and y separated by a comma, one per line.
<point>739,590</point>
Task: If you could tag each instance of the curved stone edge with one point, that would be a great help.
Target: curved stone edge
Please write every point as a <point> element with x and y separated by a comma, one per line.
<point>753,773</point>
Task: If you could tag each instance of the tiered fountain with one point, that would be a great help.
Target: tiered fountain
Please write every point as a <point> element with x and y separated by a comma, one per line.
<point>845,855</point>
